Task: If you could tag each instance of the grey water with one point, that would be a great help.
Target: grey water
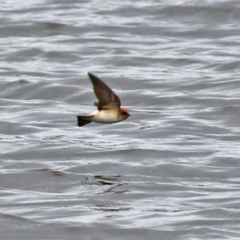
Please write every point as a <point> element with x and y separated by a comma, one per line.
<point>171,170</point>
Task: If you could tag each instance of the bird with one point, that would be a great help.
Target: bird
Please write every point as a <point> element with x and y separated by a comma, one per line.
<point>108,105</point>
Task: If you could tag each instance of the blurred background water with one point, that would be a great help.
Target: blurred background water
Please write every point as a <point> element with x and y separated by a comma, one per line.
<point>171,170</point>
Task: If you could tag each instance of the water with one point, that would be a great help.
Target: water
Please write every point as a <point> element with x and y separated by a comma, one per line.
<point>170,171</point>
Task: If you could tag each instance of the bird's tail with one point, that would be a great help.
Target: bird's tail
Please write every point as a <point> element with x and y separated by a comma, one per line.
<point>83,120</point>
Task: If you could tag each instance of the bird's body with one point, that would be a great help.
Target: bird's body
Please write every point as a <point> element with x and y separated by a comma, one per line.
<point>102,116</point>
<point>109,110</point>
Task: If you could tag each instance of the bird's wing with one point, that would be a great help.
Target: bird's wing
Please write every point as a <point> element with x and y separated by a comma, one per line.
<point>107,99</point>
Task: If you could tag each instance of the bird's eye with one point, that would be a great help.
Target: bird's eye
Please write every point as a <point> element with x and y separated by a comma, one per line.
<point>125,113</point>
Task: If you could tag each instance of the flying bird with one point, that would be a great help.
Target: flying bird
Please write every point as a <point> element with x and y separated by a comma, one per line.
<point>109,105</point>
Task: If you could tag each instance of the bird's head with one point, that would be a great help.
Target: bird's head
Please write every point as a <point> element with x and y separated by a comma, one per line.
<point>125,113</point>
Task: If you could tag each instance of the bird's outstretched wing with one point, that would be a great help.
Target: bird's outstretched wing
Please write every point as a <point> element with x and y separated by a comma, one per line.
<point>107,99</point>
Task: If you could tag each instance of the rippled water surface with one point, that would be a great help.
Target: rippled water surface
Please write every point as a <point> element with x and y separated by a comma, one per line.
<point>170,171</point>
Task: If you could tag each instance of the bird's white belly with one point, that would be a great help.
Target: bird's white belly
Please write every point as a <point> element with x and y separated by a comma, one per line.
<point>105,116</point>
